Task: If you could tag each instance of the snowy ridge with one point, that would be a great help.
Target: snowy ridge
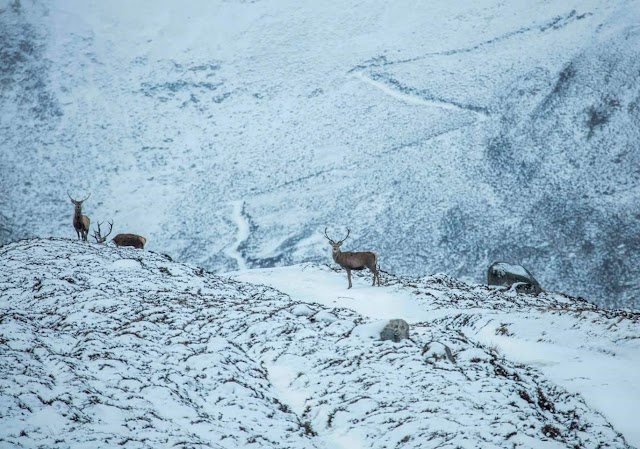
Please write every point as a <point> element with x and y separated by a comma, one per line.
<point>102,346</point>
<point>105,353</point>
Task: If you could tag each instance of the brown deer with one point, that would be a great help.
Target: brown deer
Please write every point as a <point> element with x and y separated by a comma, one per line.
<point>354,260</point>
<point>137,241</point>
<point>98,234</point>
<point>80,222</point>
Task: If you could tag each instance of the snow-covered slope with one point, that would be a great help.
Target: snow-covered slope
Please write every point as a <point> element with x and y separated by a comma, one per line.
<point>102,347</point>
<point>230,133</point>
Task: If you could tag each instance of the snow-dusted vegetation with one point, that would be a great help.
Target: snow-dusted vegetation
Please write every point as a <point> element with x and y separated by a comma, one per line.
<point>108,347</point>
<point>446,134</point>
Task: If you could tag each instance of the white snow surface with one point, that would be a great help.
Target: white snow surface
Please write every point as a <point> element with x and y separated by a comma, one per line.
<point>504,267</point>
<point>170,355</point>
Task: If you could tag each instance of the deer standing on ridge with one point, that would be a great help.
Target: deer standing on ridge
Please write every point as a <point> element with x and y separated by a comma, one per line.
<point>80,222</point>
<point>354,260</point>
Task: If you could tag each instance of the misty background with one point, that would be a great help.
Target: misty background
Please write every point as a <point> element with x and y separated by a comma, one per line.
<point>231,133</point>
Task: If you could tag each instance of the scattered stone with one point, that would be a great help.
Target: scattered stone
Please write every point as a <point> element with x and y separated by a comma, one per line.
<point>513,276</point>
<point>395,330</point>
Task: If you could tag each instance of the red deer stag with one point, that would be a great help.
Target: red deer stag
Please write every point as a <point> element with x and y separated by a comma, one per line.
<point>80,222</point>
<point>98,234</point>
<point>354,260</point>
<point>137,241</point>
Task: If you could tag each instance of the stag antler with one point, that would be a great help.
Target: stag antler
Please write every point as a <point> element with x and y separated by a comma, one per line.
<point>348,232</point>
<point>328,238</point>
<point>99,238</point>
<point>81,201</point>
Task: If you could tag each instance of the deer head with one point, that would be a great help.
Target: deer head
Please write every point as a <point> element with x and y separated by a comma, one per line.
<point>335,246</point>
<point>77,203</point>
<point>98,235</point>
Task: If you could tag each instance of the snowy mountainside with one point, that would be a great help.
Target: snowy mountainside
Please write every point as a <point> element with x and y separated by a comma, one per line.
<point>446,136</point>
<point>589,351</point>
<point>102,346</point>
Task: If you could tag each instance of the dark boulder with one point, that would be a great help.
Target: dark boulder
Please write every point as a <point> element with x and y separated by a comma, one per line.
<point>395,330</point>
<point>510,275</point>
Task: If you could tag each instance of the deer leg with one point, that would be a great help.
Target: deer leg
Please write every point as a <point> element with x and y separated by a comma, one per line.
<point>376,274</point>
<point>78,232</point>
<point>349,277</point>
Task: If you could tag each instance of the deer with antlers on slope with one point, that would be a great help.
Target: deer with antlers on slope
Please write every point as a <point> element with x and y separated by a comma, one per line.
<point>354,260</point>
<point>98,234</point>
<point>137,241</point>
<point>80,222</point>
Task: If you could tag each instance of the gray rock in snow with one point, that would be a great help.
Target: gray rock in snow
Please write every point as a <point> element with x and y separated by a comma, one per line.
<point>395,330</point>
<point>508,275</point>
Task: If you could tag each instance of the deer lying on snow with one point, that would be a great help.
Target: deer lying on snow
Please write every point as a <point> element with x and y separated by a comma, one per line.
<point>80,222</point>
<point>354,260</point>
<point>137,241</point>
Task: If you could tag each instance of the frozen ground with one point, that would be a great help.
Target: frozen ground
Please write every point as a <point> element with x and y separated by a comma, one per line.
<point>102,346</point>
<point>587,351</point>
<point>230,133</point>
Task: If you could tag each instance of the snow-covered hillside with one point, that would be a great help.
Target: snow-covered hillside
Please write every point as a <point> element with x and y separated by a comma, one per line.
<point>230,133</point>
<point>101,347</point>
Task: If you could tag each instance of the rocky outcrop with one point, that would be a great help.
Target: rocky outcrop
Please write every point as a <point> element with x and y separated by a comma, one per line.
<point>510,275</point>
<point>395,330</point>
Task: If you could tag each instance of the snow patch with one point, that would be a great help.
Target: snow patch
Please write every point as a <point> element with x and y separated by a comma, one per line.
<point>302,310</point>
<point>238,217</point>
<point>504,268</point>
<point>126,264</point>
<point>325,316</point>
<point>370,330</point>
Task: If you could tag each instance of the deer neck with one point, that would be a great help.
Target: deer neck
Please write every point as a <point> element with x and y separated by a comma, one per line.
<point>337,255</point>
<point>77,214</point>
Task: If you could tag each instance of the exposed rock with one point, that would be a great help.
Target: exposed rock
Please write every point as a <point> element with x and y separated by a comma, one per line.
<point>510,275</point>
<point>395,330</point>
